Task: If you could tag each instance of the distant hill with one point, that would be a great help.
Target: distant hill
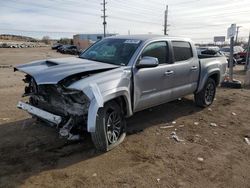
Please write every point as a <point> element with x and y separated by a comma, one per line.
<point>17,38</point>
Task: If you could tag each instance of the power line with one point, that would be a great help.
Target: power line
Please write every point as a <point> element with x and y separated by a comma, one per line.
<point>139,10</point>
<point>133,20</point>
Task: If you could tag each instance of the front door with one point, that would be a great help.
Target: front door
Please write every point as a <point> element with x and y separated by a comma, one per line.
<point>152,86</point>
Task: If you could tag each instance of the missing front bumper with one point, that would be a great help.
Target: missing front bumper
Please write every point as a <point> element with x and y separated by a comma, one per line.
<point>40,113</point>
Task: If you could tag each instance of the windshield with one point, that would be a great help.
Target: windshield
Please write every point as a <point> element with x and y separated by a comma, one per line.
<point>113,51</point>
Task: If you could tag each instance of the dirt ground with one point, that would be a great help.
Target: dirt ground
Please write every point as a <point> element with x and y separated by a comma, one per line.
<point>33,155</point>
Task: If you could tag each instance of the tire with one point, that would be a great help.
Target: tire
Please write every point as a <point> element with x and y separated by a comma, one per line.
<point>110,127</point>
<point>206,96</point>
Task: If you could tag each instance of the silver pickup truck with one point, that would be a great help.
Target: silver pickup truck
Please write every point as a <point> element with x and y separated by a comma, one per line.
<point>113,79</point>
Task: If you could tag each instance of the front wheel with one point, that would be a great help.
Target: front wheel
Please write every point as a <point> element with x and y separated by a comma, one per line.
<point>110,127</point>
<point>206,96</point>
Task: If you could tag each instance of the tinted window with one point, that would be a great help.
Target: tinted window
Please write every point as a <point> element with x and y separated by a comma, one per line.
<point>182,50</point>
<point>158,50</point>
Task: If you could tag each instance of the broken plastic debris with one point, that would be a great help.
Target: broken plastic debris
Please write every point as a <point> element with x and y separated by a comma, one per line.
<point>247,140</point>
<point>234,114</point>
<point>200,159</point>
<point>223,125</point>
<point>173,122</point>
<point>166,126</point>
<point>158,180</point>
<point>196,123</point>
<point>73,137</point>
<point>174,136</point>
<point>181,125</point>
<point>64,132</point>
<point>213,124</point>
<point>209,109</point>
<point>5,119</point>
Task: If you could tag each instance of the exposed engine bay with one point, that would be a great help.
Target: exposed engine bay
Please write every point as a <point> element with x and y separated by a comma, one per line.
<point>71,105</point>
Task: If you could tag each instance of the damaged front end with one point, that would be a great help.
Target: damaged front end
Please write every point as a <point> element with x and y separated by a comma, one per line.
<point>55,103</point>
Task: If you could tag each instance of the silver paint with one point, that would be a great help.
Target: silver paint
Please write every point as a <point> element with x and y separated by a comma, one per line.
<point>147,86</point>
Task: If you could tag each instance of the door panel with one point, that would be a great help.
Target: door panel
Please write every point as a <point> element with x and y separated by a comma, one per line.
<point>150,83</point>
<point>186,68</point>
<point>152,86</point>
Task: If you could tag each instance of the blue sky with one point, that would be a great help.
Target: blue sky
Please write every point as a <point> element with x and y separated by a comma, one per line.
<point>197,19</point>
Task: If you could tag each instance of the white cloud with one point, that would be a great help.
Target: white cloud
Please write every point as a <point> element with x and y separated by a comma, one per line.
<point>197,19</point>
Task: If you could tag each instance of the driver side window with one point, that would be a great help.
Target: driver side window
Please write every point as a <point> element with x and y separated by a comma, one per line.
<point>158,50</point>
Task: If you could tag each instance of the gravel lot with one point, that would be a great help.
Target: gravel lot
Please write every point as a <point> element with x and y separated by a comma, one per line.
<point>33,155</point>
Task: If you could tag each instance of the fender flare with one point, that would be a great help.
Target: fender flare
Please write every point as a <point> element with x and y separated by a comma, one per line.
<point>203,80</point>
<point>97,100</point>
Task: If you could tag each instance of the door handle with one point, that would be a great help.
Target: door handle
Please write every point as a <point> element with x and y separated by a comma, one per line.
<point>193,68</point>
<point>168,73</point>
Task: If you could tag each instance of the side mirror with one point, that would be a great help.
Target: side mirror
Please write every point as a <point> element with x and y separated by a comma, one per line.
<point>148,62</point>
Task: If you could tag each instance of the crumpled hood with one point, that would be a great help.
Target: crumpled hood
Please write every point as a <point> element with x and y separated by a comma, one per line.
<point>54,70</point>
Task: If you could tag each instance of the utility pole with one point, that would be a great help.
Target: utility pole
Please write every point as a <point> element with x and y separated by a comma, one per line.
<point>104,17</point>
<point>247,64</point>
<point>237,32</point>
<point>166,21</point>
<point>231,83</point>
<point>231,55</point>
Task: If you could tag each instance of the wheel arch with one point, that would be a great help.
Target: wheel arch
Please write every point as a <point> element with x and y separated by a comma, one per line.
<point>214,74</point>
<point>216,77</point>
<point>122,97</point>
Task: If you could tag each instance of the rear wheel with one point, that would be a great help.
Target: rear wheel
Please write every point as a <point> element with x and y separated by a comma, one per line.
<point>110,127</point>
<point>206,96</point>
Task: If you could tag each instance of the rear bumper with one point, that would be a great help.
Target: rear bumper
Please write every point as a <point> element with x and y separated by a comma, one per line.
<point>40,113</point>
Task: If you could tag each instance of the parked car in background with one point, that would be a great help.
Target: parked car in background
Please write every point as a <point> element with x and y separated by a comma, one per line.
<point>56,46</point>
<point>115,78</point>
<point>68,49</point>
<point>243,55</point>
<point>237,49</point>
<point>61,48</point>
<point>71,50</point>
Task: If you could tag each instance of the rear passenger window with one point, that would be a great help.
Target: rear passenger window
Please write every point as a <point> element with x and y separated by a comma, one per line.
<point>182,50</point>
<point>158,50</point>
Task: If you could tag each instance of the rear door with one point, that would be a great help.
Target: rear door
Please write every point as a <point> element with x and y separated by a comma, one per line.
<point>186,69</point>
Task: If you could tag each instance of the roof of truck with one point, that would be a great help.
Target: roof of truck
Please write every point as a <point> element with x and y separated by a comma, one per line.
<point>147,37</point>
